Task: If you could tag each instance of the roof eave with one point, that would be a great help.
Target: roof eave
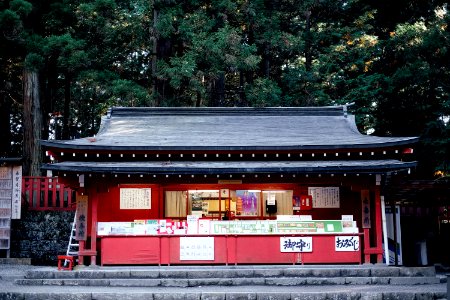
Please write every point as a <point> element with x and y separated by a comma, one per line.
<point>188,170</point>
<point>80,147</point>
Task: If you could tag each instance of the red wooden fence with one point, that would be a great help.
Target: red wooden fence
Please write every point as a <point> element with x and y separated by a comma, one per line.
<point>46,193</point>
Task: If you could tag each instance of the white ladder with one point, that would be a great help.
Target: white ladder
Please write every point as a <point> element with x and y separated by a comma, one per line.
<point>73,246</point>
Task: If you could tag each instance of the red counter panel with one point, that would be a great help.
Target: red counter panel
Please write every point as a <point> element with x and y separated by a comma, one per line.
<point>251,249</point>
<point>324,252</point>
<point>130,250</point>
<point>228,249</point>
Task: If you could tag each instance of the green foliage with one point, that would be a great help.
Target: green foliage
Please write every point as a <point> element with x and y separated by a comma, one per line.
<point>9,19</point>
<point>128,93</point>
<point>264,92</point>
<point>390,58</point>
<point>68,52</point>
<point>34,62</point>
<point>436,140</point>
<point>21,7</point>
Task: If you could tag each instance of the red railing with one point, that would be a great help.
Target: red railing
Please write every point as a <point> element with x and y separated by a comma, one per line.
<point>46,193</point>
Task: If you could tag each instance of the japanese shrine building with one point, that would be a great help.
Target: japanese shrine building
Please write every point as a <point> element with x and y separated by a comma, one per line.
<point>230,164</point>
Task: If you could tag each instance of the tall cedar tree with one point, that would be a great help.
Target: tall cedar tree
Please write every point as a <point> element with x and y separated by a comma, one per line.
<point>388,57</point>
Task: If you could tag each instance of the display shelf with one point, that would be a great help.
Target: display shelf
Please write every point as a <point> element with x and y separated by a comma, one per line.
<point>156,227</point>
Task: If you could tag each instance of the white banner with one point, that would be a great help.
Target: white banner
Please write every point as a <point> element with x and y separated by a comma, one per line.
<point>346,243</point>
<point>296,244</point>
<point>196,248</point>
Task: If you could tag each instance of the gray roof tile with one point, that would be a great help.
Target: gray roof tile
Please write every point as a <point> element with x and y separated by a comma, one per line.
<point>229,129</point>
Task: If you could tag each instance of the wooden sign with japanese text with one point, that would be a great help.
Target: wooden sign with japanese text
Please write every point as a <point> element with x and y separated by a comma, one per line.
<point>81,218</point>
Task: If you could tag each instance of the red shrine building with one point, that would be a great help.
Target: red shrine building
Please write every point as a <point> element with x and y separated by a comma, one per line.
<point>161,186</point>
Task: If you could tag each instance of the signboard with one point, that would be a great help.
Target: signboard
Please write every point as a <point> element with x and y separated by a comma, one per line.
<point>196,248</point>
<point>324,197</point>
<point>365,202</point>
<point>244,227</point>
<point>81,218</point>
<point>296,244</point>
<point>203,226</point>
<point>135,198</point>
<point>323,226</point>
<point>192,224</point>
<point>346,243</point>
<point>16,201</point>
<point>271,199</point>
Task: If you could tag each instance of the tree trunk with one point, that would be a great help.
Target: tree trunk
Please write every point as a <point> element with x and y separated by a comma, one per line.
<point>198,101</point>
<point>266,61</point>
<point>5,128</point>
<point>154,42</point>
<point>241,89</point>
<point>48,97</point>
<point>219,88</point>
<point>32,124</point>
<point>308,42</point>
<point>66,114</point>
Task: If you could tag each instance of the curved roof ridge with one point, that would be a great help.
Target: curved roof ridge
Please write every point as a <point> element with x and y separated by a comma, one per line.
<point>338,110</point>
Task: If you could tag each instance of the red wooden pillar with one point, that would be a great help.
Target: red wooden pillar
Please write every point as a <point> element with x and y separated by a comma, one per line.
<point>378,224</point>
<point>81,243</point>
<point>375,229</point>
<point>92,215</point>
<point>94,218</point>
<point>81,247</point>
<point>366,246</point>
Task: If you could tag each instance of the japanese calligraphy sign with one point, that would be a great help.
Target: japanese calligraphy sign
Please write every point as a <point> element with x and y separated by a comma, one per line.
<point>365,202</point>
<point>296,244</point>
<point>346,243</point>
<point>135,198</point>
<point>196,248</point>
<point>16,192</point>
<point>324,197</point>
<point>81,217</point>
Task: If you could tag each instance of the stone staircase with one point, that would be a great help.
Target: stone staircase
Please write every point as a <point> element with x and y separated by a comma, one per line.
<point>228,276</point>
<point>255,282</point>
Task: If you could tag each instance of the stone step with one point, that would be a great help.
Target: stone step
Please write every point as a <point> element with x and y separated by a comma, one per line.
<point>15,261</point>
<point>131,294</point>
<point>232,272</point>
<point>251,281</point>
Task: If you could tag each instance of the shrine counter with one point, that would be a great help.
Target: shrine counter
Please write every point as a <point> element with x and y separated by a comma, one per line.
<point>173,249</point>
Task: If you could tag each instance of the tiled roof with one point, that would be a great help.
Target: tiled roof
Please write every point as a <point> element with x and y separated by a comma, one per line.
<point>231,129</point>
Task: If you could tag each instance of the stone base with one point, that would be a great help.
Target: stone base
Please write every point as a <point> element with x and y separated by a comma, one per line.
<point>15,261</point>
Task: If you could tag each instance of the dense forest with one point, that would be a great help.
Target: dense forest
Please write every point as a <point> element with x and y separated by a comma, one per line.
<point>64,62</point>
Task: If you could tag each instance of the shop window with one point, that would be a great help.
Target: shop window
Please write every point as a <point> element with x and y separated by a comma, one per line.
<point>208,203</point>
<point>277,203</point>
<point>225,204</point>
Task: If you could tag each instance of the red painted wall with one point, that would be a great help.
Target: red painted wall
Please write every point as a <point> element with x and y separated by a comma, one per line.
<point>109,205</point>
